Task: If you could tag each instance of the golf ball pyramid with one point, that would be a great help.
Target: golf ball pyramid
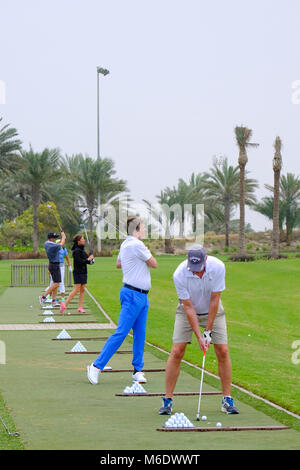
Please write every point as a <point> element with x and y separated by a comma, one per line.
<point>48,320</point>
<point>47,312</point>
<point>63,335</point>
<point>136,388</point>
<point>178,420</point>
<point>78,347</point>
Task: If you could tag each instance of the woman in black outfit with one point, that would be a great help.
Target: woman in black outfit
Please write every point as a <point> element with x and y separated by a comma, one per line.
<point>81,259</point>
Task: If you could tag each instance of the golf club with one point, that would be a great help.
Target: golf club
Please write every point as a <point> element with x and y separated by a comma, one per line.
<point>9,433</point>
<point>50,207</point>
<point>201,383</point>
<point>87,238</point>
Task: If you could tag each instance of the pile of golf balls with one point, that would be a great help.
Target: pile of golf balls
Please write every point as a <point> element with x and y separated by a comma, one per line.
<point>136,388</point>
<point>178,420</point>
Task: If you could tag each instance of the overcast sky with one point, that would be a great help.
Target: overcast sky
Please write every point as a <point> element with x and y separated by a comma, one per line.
<point>183,74</point>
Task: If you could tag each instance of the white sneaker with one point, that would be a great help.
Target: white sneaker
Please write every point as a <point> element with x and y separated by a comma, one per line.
<point>93,373</point>
<point>139,377</point>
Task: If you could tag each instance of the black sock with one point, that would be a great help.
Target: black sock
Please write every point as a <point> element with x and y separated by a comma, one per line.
<point>43,297</point>
<point>135,371</point>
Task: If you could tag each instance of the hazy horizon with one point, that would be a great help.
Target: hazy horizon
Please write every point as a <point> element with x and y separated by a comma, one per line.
<point>182,76</point>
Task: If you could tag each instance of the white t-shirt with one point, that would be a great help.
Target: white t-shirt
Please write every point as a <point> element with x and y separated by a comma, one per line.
<point>190,286</point>
<point>133,256</point>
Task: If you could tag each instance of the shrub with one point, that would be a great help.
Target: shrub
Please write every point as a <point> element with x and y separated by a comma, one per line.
<point>241,258</point>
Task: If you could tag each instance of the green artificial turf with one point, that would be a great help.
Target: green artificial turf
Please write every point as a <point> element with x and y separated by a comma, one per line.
<point>54,407</point>
<point>63,411</point>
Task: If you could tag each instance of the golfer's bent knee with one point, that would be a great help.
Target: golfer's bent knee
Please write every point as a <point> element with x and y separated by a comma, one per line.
<point>178,351</point>
<point>222,351</point>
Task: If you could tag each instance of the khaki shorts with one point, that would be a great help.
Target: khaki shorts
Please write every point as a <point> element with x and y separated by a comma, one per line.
<point>183,331</point>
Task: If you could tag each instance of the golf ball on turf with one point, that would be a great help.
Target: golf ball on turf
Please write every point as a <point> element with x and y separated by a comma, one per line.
<point>204,418</point>
<point>219,425</point>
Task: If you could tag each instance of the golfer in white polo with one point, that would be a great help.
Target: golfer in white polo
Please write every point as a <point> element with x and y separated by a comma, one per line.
<point>135,260</point>
<point>199,281</point>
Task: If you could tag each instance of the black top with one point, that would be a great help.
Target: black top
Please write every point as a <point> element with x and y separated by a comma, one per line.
<point>80,259</point>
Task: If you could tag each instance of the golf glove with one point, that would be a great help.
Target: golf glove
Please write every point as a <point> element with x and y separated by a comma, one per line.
<point>70,269</point>
<point>207,336</point>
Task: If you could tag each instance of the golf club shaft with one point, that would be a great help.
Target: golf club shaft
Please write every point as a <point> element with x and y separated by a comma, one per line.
<point>201,383</point>
<point>87,238</point>
<point>56,218</point>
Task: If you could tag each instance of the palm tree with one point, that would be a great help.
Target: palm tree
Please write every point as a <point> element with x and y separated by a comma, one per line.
<point>222,186</point>
<point>266,208</point>
<point>14,197</point>
<point>290,196</point>
<point>91,176</point>
<point>9,148</point>
<point>277,164</point>
<point>243,136</point>
<point>289,199</point>
<point>39,170</point>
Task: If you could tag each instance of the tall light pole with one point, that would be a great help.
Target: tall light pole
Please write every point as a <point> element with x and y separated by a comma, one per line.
<point>103,72</point>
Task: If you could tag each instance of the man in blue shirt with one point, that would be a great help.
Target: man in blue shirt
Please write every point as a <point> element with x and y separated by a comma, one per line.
<point>53,252</point>
<point>62,255</point>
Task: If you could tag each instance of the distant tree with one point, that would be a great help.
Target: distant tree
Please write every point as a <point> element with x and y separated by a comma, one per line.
<point>243,136</point>
<point>289,210</point>
<point>90,176</point>
<point>9,149</point>
<point>222,187</point>
<point>39,169</point>
<point>277,164</point>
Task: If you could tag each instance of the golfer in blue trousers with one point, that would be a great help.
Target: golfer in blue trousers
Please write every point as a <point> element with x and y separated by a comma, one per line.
<point>134,259</point>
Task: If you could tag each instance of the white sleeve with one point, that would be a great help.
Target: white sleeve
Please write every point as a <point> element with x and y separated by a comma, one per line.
<point>219,280</point>
<point>142,252</point>
<point>182,292</point>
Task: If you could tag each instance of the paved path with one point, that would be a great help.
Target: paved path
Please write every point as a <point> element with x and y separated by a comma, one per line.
<point>58,326</point>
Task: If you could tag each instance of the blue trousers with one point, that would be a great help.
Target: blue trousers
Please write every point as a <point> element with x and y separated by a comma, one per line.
<point>133,315</point>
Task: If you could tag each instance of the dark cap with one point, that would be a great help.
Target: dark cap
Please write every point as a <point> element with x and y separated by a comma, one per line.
<point>196,258</point>
<point>52,235</point>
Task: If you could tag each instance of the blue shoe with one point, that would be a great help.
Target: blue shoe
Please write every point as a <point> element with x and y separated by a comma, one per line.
<point>166,409</point>
<point>228,406</point>
<point>55,303</point>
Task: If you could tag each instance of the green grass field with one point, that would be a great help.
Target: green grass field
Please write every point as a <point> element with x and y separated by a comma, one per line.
<point>45,394</point>
<point>262,308</point>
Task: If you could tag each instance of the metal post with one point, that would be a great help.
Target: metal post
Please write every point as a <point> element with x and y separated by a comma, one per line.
<point>98,158</point>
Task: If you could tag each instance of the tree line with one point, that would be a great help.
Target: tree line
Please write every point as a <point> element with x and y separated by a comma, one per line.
<point>32,181</point>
